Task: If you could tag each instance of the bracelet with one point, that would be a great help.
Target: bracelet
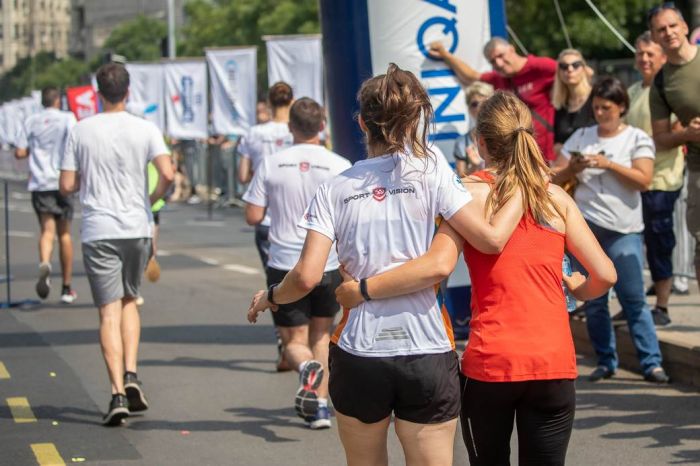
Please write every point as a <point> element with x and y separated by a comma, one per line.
<point>270,292</point>
<point>363,289</point>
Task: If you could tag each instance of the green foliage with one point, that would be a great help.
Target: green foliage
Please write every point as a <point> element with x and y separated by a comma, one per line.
<point>47,71</point>
<point>244,22</point>
<point>138,39</point>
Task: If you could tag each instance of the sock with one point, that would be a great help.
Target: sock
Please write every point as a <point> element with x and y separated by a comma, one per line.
<point>132,373</point>
<point>65,289</point>
<point>302,366</point>
<point>323,402</point>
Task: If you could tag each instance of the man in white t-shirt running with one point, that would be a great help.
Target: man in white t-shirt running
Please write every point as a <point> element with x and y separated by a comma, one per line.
<point>42,138</point>
<point>106,158</point>
<point>285,183</point>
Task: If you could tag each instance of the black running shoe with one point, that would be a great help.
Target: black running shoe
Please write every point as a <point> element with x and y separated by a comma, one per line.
<point>661,318</point>
<point>134,392</point>
<point>657,375</point>
<point>600,373</point>
<point>118,411</point>
<point>43,284</point>
<point>306,399</point>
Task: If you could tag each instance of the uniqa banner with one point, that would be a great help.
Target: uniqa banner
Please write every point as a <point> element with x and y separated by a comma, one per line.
<point>233,76</point>
<point>186,99</point>
<point>298,61</point>
<point>146,92</point>
<point>82,101</point>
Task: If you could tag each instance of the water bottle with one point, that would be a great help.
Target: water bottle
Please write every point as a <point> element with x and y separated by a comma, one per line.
<point>566,270</point>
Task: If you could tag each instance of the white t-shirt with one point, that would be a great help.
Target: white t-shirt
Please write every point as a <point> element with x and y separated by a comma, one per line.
<point>111,151</point>
<point>382,213</point>
<point>263,140</point>
<point>602,198</point>
<point>285,183</point>
<point>45,135</point>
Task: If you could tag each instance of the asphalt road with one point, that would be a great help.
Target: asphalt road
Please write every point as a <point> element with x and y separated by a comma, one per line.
<point>215,397</point>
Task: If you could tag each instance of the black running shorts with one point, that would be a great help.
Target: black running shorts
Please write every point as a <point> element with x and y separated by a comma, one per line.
<point>420,388</point>
<point>52,203</point>
<point>319,303</point>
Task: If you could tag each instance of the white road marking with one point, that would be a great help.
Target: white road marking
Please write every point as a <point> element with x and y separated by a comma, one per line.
<point>206,223</point>
<point>21,234</point>
<point>210,261</point>
<point>163,253</point>
<point>242,269</point>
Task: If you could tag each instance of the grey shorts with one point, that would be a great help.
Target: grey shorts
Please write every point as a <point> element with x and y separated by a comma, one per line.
<point>114,267</point>
<point>52,203</point>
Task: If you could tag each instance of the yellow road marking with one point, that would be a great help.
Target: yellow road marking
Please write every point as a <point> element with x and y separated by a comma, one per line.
<point>47,455</point>
<point>20,409</point>
<point>3,372</point>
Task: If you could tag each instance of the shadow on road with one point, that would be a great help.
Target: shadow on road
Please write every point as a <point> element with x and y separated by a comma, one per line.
<point>240,365</point>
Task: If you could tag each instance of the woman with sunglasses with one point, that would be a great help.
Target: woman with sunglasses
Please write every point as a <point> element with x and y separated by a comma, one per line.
<point>571,96</point>
<point>466,152</point>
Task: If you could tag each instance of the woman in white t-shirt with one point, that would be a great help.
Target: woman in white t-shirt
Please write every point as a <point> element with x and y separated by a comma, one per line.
<point>613,162</point>
<point>393,356</point>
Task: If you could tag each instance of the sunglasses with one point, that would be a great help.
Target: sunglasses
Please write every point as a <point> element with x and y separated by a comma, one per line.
<point>565,66</point>
<point>659,8</point>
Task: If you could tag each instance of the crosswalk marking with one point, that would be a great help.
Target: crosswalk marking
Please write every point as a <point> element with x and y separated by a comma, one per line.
<point>241,269</point>
<point>4,374</point>
<point>47,455</point>
<point>20,409</point>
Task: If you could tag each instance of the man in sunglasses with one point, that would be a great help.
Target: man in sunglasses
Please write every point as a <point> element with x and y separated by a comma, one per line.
<point>675,91</point>
<point>531,78</point>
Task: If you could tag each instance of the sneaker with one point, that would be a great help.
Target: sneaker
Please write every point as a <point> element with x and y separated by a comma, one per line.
<point>194,199</point>
<point>661,318</point>
<point>657,375</point>
<point>322,419</point>
<point>619,318</point>
<point>600,373</point>
<point>651,291</point>
<point>43,285</point>
<point>118,411</point>
<point>306,399</point>
<point>579,313</point>
<point>69,297</point>
<point>134,393</point>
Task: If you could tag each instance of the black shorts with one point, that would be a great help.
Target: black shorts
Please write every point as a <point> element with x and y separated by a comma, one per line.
<point>319,303</point>
<point>420,388</point>
<point>52,203</point>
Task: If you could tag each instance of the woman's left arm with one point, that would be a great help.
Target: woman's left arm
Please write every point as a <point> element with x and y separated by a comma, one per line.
<point>638,176</point>
<point>299,281</point>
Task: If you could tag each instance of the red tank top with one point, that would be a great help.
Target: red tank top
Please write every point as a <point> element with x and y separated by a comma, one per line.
<point>520,326</point>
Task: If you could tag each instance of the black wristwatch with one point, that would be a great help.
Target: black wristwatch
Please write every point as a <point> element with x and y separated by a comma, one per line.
<point>270,291</point>
<point>363,289</point>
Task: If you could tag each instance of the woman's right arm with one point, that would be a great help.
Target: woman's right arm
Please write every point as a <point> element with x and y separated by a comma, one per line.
<point>584,246</point>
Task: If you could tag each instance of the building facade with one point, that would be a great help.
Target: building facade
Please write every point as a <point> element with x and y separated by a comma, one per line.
<point>31,26</point>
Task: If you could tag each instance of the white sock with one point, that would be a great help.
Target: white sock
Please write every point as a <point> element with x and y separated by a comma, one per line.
<point>302,366</point>
<point>323,402</point>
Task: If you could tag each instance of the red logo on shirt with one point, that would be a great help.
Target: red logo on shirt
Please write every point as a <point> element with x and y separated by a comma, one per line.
<point>279,142</point>
<point>304,166</point>
<point>379,194</point>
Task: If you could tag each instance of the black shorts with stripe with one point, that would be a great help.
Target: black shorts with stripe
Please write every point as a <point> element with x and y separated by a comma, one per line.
<point>421,388</point>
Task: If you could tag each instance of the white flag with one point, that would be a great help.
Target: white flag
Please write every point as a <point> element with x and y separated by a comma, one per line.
<point>186,99</point>
<point>233,78</point>
<point>298,61</point>
<point>146,92</point>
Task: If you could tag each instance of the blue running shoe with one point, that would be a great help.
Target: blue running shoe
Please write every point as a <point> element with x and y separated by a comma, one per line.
<point>322,420</point>
<point>306,399</point>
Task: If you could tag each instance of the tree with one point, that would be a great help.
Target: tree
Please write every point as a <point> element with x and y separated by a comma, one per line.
<point>47,71</point>
<point>244,22</point>
<point>139,39</point>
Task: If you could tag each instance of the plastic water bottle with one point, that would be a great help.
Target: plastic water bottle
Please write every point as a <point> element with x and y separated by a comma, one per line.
<point>566,270</point>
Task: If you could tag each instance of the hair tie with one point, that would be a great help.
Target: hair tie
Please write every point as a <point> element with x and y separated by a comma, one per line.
<point>522,128</point>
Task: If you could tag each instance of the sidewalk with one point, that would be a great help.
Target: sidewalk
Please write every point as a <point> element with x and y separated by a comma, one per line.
<point>680,341</point>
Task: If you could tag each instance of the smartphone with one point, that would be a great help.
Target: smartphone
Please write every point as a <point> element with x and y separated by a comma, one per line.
<point>576,154</point>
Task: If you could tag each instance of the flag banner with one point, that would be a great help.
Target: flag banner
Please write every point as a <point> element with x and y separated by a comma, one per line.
<point>298,61</point>
<point>82,101</point>
<point>146,92</point>
<point>233,76</point>
<point>186,105</point>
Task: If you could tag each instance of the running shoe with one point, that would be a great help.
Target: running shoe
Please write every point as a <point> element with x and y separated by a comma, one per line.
<point>43,285</point>
<point>134,393</point>
<point>661,318</point>
<point>117,412</point>
<point>657,375</point>
<point>600,373</point>
<point>69,296</point>
<point>306,399</point>
<point>322,419</point>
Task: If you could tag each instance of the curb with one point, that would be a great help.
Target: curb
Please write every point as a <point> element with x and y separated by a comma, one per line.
<point>681,361</point>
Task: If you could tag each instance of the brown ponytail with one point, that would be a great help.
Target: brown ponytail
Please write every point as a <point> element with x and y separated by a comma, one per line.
<point>505,124</point>
<point>397,112</point>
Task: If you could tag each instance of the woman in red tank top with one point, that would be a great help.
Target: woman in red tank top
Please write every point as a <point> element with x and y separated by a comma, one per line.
<point>519,362</point>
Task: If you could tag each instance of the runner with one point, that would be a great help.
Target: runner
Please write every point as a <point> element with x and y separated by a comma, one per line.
<point>42,138</point>
<point>285,183</point>
<point>520,361</point>
<point>106,157</point>
<point>263,140</point>
<point>392,356</point>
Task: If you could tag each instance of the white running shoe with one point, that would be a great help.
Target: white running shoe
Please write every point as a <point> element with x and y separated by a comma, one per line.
<point>69,297</point>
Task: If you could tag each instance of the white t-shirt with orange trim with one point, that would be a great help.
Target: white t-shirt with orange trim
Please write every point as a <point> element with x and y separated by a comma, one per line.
<point>382,213</point>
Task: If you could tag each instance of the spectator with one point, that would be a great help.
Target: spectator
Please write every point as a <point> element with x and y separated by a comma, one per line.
<point>530,78</point>
<point>675,91</point>
<point>571,96</point>
<point>613,163</point>
<point>466,152</point>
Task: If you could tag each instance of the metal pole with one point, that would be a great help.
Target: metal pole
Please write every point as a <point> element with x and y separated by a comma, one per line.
<point>171,29</point>
<point>7,244</point>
